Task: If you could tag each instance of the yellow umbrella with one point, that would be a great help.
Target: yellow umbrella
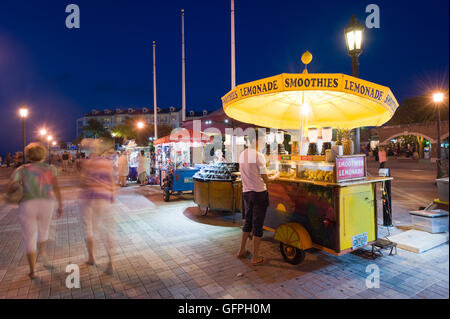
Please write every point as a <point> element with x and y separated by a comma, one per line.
<point>293,101</point>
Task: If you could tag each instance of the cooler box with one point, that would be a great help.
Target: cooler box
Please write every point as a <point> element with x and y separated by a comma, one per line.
<point>183,179</point>
<point>432,221</point>
<point>442,185</point>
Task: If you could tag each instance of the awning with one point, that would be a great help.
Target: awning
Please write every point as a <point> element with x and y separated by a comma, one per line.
<point>292,101</point>
<point>182,135</point>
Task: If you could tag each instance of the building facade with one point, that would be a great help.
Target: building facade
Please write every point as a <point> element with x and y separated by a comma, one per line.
<point>111,118</point>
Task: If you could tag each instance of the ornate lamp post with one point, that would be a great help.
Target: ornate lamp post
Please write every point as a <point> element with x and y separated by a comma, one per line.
<point>438,98</point>
<point>23,114</point>
<point>353,39</point>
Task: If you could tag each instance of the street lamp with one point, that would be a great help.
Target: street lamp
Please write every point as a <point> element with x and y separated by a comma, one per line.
<point>353,39</point>
<point>23,114</point>
<point>438,98</point>
<point>140,126</point>
<point>42,133</point>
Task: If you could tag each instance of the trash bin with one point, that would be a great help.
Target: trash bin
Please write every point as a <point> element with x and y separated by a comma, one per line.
<point>442,185</point>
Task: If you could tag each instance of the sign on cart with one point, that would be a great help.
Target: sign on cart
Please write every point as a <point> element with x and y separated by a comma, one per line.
<point>359,240</point>
<point>350,167</point>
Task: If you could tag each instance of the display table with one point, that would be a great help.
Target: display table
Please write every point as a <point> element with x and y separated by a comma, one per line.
<point>218,195</point>
<point>216,188</point>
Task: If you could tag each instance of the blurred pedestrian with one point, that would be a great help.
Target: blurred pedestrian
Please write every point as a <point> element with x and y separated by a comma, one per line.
<point>375,153</point>
<point>152,164</point>
<point>98,195</point>
<point>70,162</point>
<point>142,169</point>
<point>40,187</point>
<point>382,157</point>
<point>123,169</point>
<point>8,160</point>
<point>65,161</point>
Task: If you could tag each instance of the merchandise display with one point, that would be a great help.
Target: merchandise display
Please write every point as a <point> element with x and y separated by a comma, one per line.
<point>218,171</point>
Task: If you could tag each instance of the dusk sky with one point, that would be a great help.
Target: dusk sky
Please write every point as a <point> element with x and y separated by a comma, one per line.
<point>61,73</point>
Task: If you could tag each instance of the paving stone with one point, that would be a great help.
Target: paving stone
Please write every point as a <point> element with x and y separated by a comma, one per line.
<point>164,252</point>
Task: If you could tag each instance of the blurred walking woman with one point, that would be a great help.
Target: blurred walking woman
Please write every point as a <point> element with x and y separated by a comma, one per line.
<point>40,187</point>
<point>123,169</point>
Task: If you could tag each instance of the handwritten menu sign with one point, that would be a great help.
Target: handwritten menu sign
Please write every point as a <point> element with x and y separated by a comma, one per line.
<point>350,168</point>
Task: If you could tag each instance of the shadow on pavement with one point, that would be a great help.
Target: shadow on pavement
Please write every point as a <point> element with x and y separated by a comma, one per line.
<point>214,218</point>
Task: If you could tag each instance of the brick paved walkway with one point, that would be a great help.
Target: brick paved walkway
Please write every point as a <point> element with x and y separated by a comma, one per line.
<point>167,250</point>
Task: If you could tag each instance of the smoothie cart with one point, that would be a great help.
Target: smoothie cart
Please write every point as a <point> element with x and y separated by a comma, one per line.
<point>174,161</point>
<point>325,202</point>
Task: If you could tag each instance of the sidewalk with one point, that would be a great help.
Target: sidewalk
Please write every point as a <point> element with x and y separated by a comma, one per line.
<point>167,250</point>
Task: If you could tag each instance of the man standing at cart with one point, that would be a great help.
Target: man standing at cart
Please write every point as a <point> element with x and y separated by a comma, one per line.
<point>254,175</point>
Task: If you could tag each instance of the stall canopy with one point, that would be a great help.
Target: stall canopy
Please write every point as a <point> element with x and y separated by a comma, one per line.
<point>293,101</point>
<point>185,136</point>
<point>217,120</point>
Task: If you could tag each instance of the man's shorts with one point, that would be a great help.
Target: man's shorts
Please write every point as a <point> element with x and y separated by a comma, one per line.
<point>255,206</point>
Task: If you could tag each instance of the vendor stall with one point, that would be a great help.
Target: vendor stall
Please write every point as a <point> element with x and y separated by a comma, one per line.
<point>216,188</point>
<point>133,151</point>
<point>327,202</point>
<point>174,161</point>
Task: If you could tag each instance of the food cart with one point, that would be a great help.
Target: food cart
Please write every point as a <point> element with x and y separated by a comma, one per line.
<point>174,161</point>
<point>216,188</point>
<point>325,202</point>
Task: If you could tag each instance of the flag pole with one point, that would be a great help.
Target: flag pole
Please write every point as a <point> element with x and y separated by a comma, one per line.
<point>233,49</point>
<point>155,107</point>
<point>233,77</point>
<point>183,70</point>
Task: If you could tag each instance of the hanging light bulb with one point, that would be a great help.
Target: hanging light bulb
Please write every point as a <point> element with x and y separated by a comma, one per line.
<point>305,109</point>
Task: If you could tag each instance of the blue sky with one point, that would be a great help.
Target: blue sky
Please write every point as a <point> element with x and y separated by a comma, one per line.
<point>62,73</point>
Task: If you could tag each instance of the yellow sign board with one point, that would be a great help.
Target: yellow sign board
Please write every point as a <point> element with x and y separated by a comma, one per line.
<point>349,99</point>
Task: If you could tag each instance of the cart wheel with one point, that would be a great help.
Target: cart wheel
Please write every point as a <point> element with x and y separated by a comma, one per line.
<point>166,196</point>
<point>291,254</point>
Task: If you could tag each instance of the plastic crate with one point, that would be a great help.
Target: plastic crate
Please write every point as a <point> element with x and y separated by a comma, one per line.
<point>433,221</point>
